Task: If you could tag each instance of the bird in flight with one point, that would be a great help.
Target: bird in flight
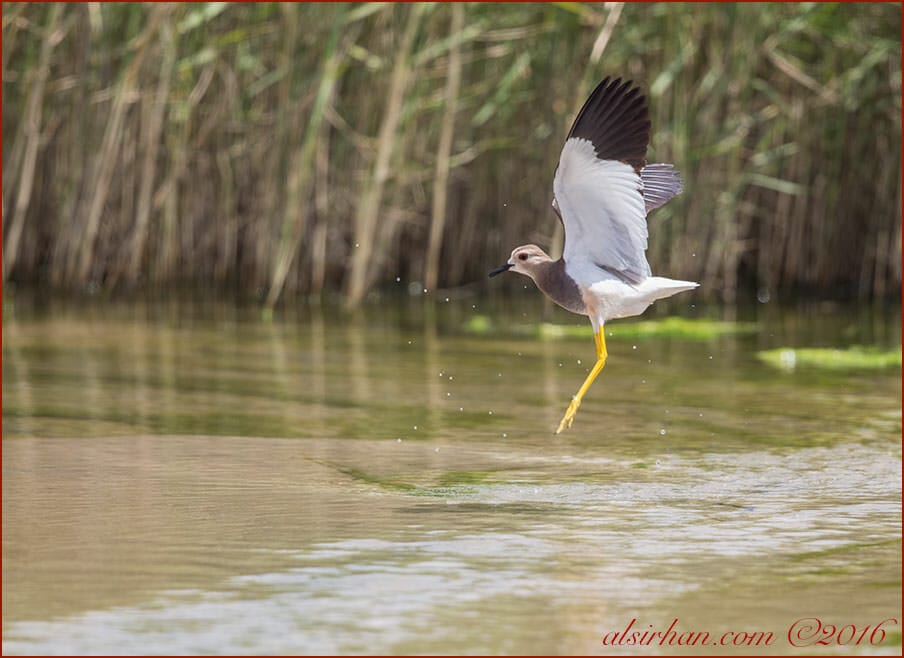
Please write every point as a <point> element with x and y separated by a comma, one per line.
<point>602,192</point>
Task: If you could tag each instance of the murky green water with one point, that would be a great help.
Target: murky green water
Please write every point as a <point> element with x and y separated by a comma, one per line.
<point>184,478</point>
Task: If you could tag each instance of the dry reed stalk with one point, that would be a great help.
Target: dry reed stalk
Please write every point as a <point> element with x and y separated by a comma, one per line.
<point>371,197</point>
<point>82,254</point>
<point>152,138</point>
<point>301,173</point>
<point>444,151</point>
<point>228,242</point>
<point>167,197</point>
<point>322,213</point>
<point>31,129</point>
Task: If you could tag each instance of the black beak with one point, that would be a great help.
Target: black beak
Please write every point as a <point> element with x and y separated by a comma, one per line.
<point>501,269</point>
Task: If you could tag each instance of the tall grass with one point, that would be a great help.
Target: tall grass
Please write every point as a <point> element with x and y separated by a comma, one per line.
<point>316,148</point>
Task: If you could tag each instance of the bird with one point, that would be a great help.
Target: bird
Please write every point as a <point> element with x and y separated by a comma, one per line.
<point>603,190</point>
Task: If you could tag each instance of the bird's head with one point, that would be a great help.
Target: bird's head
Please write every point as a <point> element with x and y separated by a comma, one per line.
<point>524,260</point>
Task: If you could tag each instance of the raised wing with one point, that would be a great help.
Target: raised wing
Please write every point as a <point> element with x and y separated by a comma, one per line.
<point>598,185</point>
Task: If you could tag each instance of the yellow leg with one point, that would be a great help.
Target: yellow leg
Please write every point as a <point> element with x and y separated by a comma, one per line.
<point>601,355</point>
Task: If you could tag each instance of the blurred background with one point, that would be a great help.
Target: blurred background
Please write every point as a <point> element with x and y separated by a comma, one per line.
<point>337,149</point>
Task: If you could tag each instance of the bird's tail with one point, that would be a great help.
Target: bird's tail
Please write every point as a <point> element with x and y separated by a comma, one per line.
<point>658,287</point>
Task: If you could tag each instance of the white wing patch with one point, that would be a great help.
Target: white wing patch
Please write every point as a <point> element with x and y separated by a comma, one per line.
<point>602,208</point>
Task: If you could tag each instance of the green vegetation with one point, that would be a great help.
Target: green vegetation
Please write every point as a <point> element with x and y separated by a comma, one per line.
<point>673,327</point>
<point>314,148</point>
<point>480,325</point>
<point>464,477</point>
<point>368,478</point>
<point>843,550</point>
<point>451,482</point>
<point>852,358</point>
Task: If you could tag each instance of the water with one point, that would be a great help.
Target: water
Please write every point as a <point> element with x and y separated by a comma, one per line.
<point>186,478</point>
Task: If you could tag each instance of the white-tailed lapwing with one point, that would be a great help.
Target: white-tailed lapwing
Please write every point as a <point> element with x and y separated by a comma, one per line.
<point>602,192</point>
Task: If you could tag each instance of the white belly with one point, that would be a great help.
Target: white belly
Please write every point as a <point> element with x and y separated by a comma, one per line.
<point>615,299</point>
<point>607,297</point>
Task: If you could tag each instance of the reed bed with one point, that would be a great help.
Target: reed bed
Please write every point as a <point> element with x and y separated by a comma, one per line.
<point>312,149</point>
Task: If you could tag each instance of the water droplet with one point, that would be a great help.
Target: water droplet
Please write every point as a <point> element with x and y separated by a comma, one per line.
<point>788,358</point>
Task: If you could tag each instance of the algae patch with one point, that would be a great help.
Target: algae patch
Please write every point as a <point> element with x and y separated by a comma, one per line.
<point>852,358</point>
<point>699,329</point>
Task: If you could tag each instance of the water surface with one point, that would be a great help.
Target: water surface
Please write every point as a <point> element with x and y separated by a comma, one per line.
<point>187,478</point>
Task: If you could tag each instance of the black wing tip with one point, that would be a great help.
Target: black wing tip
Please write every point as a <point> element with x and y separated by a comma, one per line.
<point>616,120</point>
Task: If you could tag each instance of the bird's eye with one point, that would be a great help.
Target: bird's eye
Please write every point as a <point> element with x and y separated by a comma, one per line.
<point>522,256</point>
